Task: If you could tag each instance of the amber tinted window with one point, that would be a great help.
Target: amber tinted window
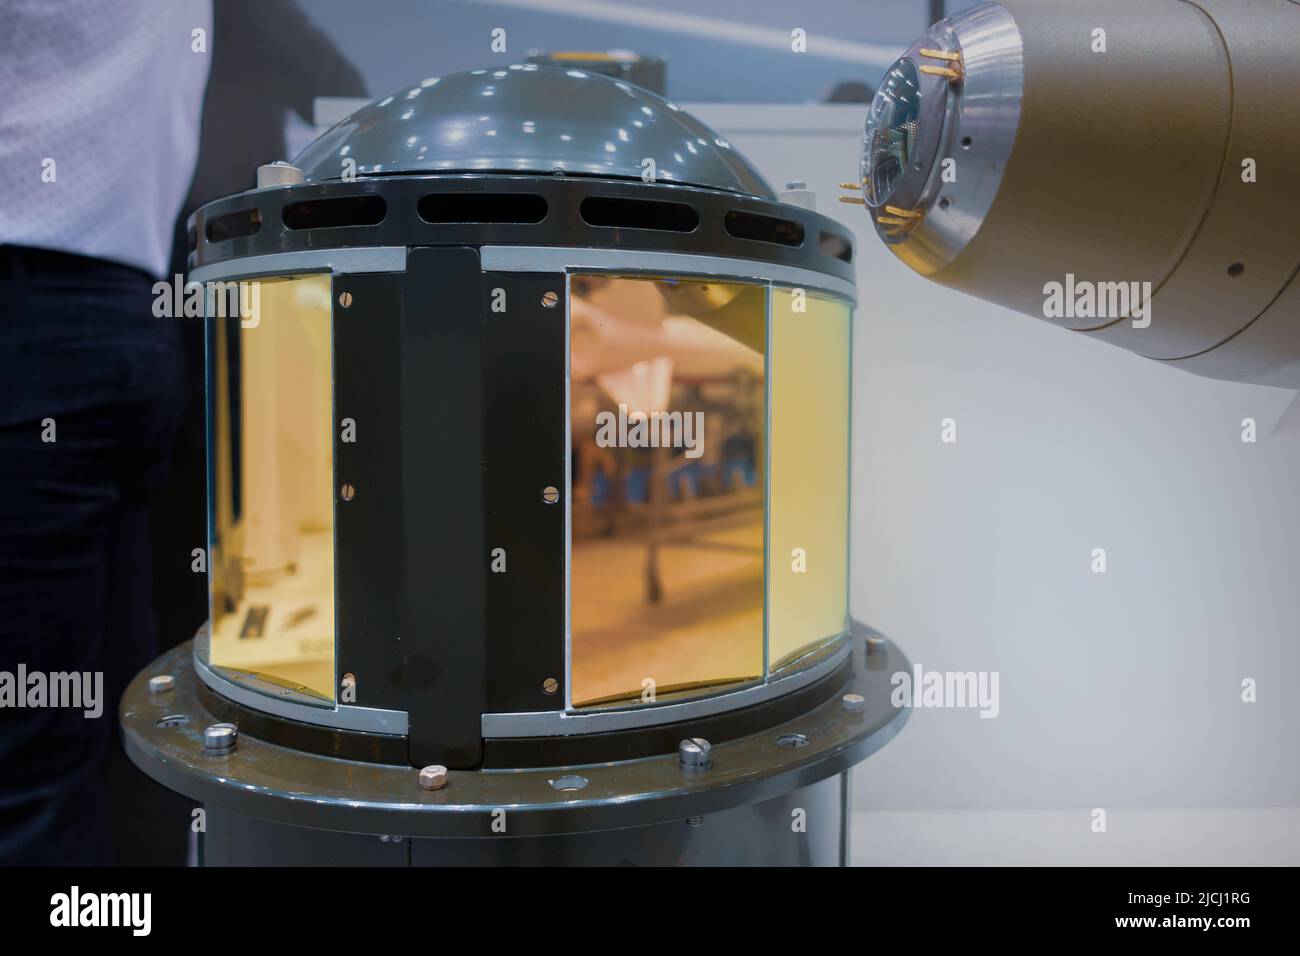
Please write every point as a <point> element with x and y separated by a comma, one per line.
<point>271,518</point>
<point>808,570</point>
<point>667,410</point>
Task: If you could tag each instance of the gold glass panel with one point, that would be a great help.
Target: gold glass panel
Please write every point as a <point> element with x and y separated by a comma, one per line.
<point>808,570</point>
<point>667,410</point>
<point>271,515</point>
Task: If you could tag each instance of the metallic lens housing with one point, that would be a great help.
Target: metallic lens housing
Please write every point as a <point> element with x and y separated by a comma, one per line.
<point>958,131</point>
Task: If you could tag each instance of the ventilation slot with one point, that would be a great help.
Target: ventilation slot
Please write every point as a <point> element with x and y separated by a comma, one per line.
<point>836,246</point>
<point>233,225</point>
<point>521,208</point>
<point>639,214</point>
<point>333,213</point>
<point>750,225</point>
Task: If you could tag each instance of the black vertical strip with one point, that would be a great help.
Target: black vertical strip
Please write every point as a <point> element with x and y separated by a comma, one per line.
<point>524,361</point>
<point>441,606</point>
<point>368,528</point>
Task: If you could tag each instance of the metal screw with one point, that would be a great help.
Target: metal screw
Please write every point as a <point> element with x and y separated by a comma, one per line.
<point>875,643</point>
<point>161,684</point>
<point>695,753</point>
<point>220,738</point>
<point>433,777</point>
<point>345,299</point>
<point>347,492</point>
<point>550,685</point>
<point>550,494</point>
<point>796,184</point>
<point>854,703</point>
<point>695,821</point>
<point>550,300</point>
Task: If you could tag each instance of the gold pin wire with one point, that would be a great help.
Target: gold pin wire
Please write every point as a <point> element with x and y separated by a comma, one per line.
<point>941,71</point>
<point>850,185</point>
<point>889,221</point>
<point>940,55</point>
<point>907,213</point>
<point>856,200</point>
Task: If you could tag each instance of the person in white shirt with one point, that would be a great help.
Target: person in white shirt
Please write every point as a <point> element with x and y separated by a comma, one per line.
<point>99,124</point>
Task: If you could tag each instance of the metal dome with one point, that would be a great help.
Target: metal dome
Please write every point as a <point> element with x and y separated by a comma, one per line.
<point>528,118</point>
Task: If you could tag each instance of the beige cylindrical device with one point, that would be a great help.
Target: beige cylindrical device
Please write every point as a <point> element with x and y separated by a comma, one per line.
<point>1127,169</point>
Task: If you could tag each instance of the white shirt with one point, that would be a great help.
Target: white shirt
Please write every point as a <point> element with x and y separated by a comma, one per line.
<point>100,103</point>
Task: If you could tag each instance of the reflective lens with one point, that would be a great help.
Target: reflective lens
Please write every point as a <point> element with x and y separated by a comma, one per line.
<point>892,129</point>
<point>668,428</point>
<point>271,497</point>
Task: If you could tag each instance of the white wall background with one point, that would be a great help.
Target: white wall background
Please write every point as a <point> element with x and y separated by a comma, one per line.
<point>1118,690</point>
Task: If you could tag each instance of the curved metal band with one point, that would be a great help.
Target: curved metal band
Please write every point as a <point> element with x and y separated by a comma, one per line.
<point>627,262</point>
<point>558,723</point>
<point>729,224</point>
<point>335,261</point>
<point>371,720</point>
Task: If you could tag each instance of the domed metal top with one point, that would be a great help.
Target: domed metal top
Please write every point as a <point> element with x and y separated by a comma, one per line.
<point>529,118</point>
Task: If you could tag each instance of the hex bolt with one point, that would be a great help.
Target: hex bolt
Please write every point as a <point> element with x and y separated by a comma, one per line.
<point>278,173</point>
<point>345,299</point>
<point>797,193</point>
<point>220,738</point>
<point>433,777</point>
<point>550,300</point>
<point>550,494</point>
<point>695,753</point>
<point>161,684</point>
<point>854,703</point>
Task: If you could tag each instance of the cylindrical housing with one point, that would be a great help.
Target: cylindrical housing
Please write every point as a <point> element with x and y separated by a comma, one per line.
<point>1121,169</point>
<point>516,467</point>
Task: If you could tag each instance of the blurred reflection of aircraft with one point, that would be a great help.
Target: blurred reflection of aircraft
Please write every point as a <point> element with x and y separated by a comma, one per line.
<point>603,344</point>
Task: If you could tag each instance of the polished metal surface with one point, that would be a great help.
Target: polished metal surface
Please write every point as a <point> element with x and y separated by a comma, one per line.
<point>220,738</point>
<point>165,739</point>
<point>982,115</point>
<point>694,754</point>
<point>559,723</point>
<point>252,692</point>
<point>278,173</point>
<point>630,262</point>
<point>337,261</point>
<point>530,118</point>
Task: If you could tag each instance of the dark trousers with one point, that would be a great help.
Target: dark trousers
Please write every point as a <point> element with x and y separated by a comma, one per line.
<point>83,361</point>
